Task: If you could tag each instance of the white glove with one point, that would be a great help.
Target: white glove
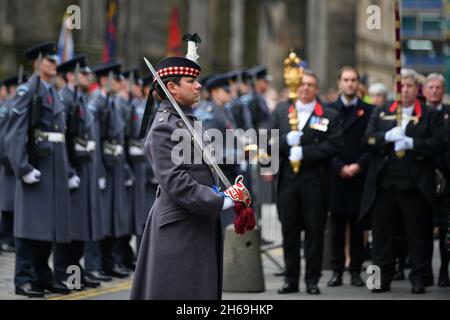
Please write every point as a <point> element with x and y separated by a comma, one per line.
<point>128,183</point>
<point>395,134</point>
<point>102,183</point>
<point>404,144</point>
<point>293,138</point>
<point>296,153</point>
<point>32,177</point>
<point>74,182</point>
<point>227,203</point>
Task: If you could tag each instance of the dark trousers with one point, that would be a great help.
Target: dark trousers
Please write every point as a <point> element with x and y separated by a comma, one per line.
<point>417,216</point>
<point>125,251</point>
<point>32,262</point>
<point>65,255</point>
<point>338,226</point>
<point>7,227</point>
<point>92,256</point>
<point>112,252</point>
<point>302,206</point>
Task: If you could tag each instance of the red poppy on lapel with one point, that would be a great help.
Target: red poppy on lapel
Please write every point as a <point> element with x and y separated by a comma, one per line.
<point>318,110</point>
<point>360,112</point>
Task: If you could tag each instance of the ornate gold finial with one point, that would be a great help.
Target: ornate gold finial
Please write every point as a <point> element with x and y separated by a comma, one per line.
<point>293,73</point>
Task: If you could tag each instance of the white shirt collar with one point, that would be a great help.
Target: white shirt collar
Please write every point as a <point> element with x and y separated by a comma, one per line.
<point>354,102</point>
<point>308,107</point>
<point>408,110</point>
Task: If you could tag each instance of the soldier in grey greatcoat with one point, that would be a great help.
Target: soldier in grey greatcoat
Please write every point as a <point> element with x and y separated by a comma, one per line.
<point>86,220</point>
<point>181,251</point>
<point>35,144</point>
<point>112,168</point>
<point>7,178</point>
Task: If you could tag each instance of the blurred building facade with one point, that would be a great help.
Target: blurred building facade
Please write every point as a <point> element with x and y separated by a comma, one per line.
<point>239,33</point>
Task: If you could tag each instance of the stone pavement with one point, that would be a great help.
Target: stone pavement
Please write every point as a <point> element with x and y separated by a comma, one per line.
<point>120,289</point>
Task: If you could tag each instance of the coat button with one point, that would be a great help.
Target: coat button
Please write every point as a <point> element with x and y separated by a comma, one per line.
<point>164,111</point>
<point>56,127</point>
<point>161,119</point>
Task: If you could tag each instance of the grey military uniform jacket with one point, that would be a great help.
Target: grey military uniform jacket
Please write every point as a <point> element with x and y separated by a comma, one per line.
<point>116,221</point>
<point>42,210</point>
<point>7,179</point>
<point>86,218</point>
<point>181,252</point>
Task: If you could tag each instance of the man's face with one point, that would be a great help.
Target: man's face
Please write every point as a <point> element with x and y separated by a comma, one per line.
<point>434,91</point>
<point>220,96</point>
<point>83,78</point>
<point>409,91</point>
<point>3,93</point>
<point>348,83</point>
<point>262,85</point>
<point>116,85</point>
<point>308,89</point>
<point>136,90</point>
<point>378,99</point>
<point>186,92</point>
<point>48,67</point>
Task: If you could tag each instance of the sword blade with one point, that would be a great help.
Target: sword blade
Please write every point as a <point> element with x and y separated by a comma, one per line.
<point>209,158</point>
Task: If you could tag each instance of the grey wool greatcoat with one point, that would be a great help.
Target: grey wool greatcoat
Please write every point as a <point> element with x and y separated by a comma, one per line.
<point>116,222</point>
<point>136,194</point>
<point>42,209</point>
<point>86,219</point>
<point>7,178</point>
<point>181,252</point>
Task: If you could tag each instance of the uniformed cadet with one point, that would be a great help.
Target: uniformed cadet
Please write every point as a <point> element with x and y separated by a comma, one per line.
<point>86,220</point>
<point>135,154</point>
<point>238,107</point>
<point>402,186</point>
<point>150,181</point>
<point>7,179</point>
<point>216,121</point>
<point>303,196</point>
<point>433,90</point>
<point>259,80</point>
<point>112,168</point>
<point>347,178</point>
<point>42,206</point>
<point>181,252</point>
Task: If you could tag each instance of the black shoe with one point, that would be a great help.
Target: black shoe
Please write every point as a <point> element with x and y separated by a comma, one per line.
<point>444,281</point>
<point>399,276</point>
<point>28,290</point>
<point>280,274</point>
<point>131,266</point>
<point>117,272</point>
<point>418,289</point>
<point>336,280</point>
<point>98,276</point>
<point>288,287</point>
<point>312,289</point>
<point>6,248</point>
<point>56,287</point>
<point>69,286</point>
<point>89,283</point>
<point>382,289</point>
<point>356,280</point>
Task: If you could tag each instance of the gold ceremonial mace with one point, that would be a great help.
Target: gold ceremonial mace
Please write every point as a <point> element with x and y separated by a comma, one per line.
<point>293,74</point>
<point>398,65</point>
